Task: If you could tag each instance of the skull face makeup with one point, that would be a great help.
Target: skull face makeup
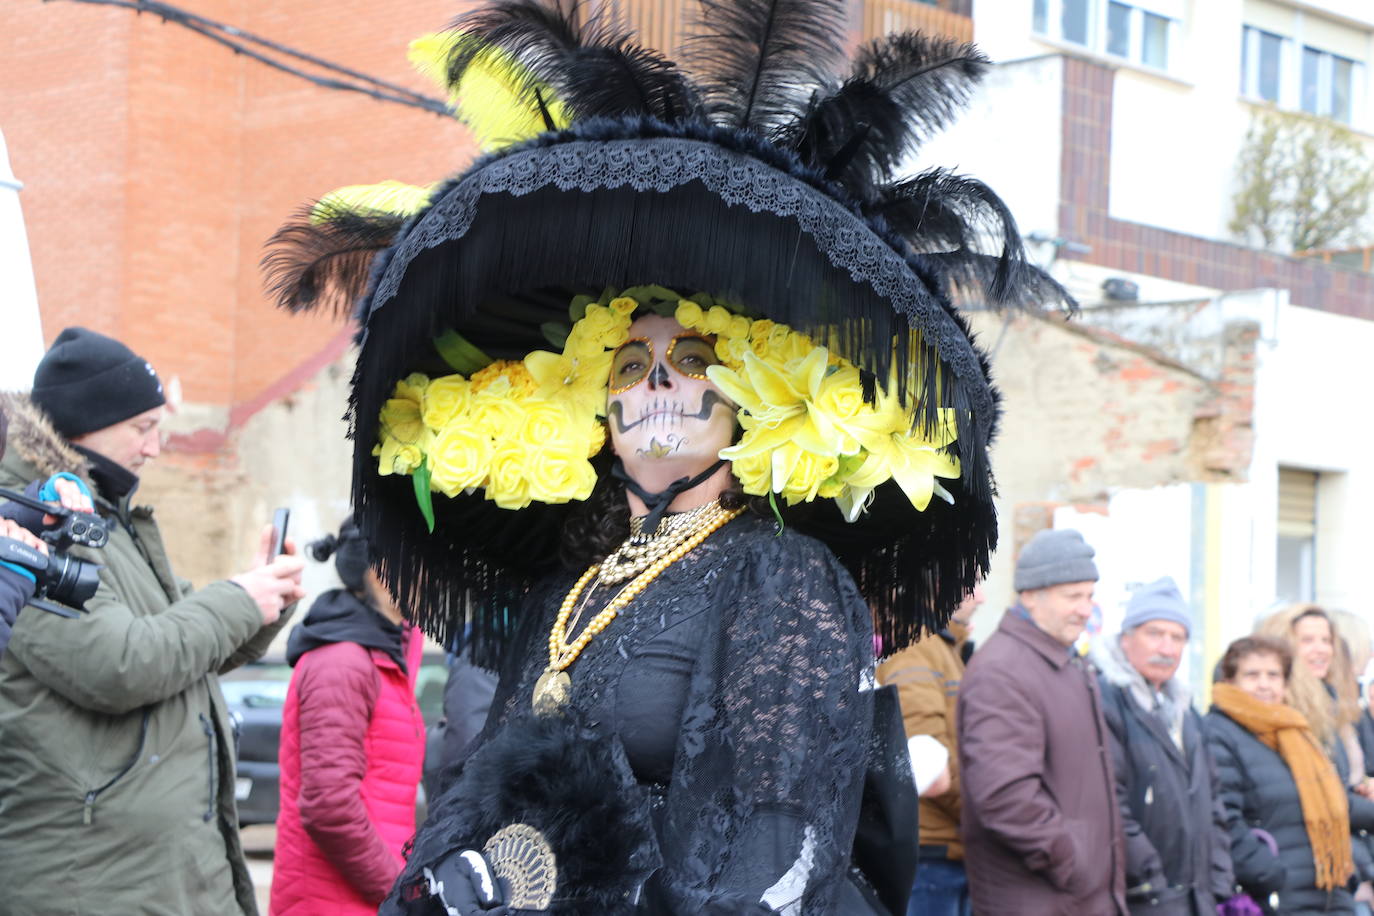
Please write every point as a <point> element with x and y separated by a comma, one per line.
<point>665,416</point>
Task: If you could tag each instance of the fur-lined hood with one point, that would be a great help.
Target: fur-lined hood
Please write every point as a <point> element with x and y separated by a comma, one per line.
<point>33,441</point>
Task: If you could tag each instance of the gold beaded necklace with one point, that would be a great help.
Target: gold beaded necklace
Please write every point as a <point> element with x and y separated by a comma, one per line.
<point>553,690</point>
<point>640,550</point>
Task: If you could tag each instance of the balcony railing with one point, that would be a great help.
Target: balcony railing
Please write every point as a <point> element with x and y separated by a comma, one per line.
<point>1351,258</point>
<point>661,23</point>
<point>883,16</point>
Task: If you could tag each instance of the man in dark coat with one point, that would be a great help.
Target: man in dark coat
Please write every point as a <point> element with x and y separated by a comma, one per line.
<point>1041,827</point>
<point>1178,856</point>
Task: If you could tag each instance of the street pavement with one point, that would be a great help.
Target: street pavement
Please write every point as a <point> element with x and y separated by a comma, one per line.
<point>258,843</point>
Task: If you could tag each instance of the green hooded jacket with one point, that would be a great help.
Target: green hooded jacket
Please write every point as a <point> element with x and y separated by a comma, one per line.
<point>116,756</point>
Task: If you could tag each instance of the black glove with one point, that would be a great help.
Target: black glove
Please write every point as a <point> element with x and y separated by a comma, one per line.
<point>464,885</point>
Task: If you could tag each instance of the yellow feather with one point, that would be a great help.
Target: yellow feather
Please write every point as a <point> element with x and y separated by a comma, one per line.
<point>495,97</point>
<point>385,197</point>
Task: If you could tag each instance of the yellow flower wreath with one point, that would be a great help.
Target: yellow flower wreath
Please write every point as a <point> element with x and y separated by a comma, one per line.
<point>524,431</point>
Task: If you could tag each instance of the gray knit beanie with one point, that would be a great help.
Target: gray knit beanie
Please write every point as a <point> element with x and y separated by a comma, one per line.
<point>1054,557</point>
<point>1159,600</point>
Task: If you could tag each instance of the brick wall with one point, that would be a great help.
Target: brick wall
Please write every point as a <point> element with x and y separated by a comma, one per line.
<point>1134,247</point>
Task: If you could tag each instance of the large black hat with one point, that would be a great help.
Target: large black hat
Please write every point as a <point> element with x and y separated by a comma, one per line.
<point>762,176</point>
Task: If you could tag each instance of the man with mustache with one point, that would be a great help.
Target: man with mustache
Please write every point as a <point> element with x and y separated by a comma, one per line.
<point>1178,857</point>
<point>1040,822</point>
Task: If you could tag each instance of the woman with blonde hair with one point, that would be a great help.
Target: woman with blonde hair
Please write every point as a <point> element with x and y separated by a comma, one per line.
<point>1324,689</point>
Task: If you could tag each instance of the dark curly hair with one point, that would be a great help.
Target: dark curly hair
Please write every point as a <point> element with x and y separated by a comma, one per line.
<point>1246,646</point>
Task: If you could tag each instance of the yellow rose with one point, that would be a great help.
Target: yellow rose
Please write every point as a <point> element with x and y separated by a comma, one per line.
<point>507,485</point>
<point>496,416</point>
<point>597,323</point>
<point>808,473</point>
<point>412,387</point>
<point>689,315</point>
<point>760,328</point>
<point>623,305</point>
<point>400,419</point>
<point>831,488</point>
<point>459,459</point>
<point>558,474</point>
<point>738,327</point>
<point>754,473</point>
<point>545,421</point>
<point>777,337</point>
<point>596,439</point>
<point>717,320</point>
<point>444,399</point>
<point>395,457</point>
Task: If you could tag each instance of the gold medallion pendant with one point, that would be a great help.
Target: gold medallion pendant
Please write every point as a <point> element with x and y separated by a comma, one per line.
<point>552,692</point>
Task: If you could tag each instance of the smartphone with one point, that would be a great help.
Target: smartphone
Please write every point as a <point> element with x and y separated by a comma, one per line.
<point>279,521</point>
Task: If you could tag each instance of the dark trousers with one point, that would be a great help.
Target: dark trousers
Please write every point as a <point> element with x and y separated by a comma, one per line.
<point>941,889</point>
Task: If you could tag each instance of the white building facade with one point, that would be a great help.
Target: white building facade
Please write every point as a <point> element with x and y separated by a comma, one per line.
<point>1112,129</point>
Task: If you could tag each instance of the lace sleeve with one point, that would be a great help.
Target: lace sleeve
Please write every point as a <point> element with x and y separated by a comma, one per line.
<point>765,793</point>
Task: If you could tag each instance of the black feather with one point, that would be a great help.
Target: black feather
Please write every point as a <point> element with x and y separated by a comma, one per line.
<point>962,226</point>
<point>903,89</point>
<point>594,67</point>
<point>760,61</point>
<point>321,259</point>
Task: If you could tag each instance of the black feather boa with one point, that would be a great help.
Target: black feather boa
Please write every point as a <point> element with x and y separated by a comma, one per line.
<point>569,782</point>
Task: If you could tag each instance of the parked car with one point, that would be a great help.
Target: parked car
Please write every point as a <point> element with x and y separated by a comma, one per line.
<point>256,696</point>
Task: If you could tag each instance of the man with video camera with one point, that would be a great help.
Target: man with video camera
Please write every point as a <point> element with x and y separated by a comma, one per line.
<point>116,757</point>
<point>17,583</point>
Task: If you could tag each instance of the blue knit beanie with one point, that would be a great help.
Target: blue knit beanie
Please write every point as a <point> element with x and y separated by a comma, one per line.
<point>1159,600</point>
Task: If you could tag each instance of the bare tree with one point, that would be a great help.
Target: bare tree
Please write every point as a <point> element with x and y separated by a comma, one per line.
<point>1302,183</point>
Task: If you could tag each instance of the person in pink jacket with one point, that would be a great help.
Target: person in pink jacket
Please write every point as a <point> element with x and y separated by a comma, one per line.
<point>352,745</point>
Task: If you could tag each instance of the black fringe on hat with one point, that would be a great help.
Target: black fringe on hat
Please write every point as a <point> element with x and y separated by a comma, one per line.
<point>760,175</point>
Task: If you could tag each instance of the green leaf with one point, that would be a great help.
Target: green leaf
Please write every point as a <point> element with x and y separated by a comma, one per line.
<point>777,514</point>
<point>461,355</point>
<point>423,497</point>
<point>556,333</point>
<point>578,309</point>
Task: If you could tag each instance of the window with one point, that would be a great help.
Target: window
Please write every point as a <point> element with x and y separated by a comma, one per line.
<point>1297,536</point>
<point>1261,64</point>
<point>1328,82</point>
<point>1316,81</point>
<point>1140,31</point>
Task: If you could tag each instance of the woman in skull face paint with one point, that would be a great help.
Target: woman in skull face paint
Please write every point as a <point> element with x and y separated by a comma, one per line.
<point>683,717</point>
<point>726,691</point>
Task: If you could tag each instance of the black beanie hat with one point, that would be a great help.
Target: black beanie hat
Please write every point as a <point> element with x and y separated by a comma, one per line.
<point>88,381</point>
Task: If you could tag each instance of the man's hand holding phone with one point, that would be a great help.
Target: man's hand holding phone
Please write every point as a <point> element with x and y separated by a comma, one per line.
<point>275,579</point>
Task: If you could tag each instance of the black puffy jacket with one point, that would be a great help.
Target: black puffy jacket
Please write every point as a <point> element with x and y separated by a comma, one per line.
<point>1258,791</point>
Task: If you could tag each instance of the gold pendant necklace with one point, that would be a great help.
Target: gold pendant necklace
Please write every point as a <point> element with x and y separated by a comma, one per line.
<point>553,690</point>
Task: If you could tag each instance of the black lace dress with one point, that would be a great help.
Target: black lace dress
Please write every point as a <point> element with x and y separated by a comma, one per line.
<point>732,697</point>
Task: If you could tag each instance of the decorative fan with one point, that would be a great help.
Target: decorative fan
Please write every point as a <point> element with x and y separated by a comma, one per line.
<point>521,856</point>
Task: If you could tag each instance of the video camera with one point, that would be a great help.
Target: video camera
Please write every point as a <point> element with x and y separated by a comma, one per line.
<point>60,577</point>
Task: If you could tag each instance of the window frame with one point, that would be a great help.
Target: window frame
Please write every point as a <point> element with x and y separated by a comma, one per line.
<point>1050,14</point>
<point>1293,83</point>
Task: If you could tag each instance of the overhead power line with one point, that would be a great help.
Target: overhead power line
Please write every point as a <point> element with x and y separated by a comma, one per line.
<point>247,44</point>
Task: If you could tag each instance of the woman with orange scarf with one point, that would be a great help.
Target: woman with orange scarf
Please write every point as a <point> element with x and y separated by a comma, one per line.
<point>1285,804</point>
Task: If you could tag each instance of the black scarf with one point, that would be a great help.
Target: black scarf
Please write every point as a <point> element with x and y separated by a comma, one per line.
<point>341,616</point>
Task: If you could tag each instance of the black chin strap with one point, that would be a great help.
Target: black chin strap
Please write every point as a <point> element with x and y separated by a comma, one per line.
<point>658,502</point>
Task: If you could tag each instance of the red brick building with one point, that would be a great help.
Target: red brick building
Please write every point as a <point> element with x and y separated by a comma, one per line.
<point>156,163</point>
